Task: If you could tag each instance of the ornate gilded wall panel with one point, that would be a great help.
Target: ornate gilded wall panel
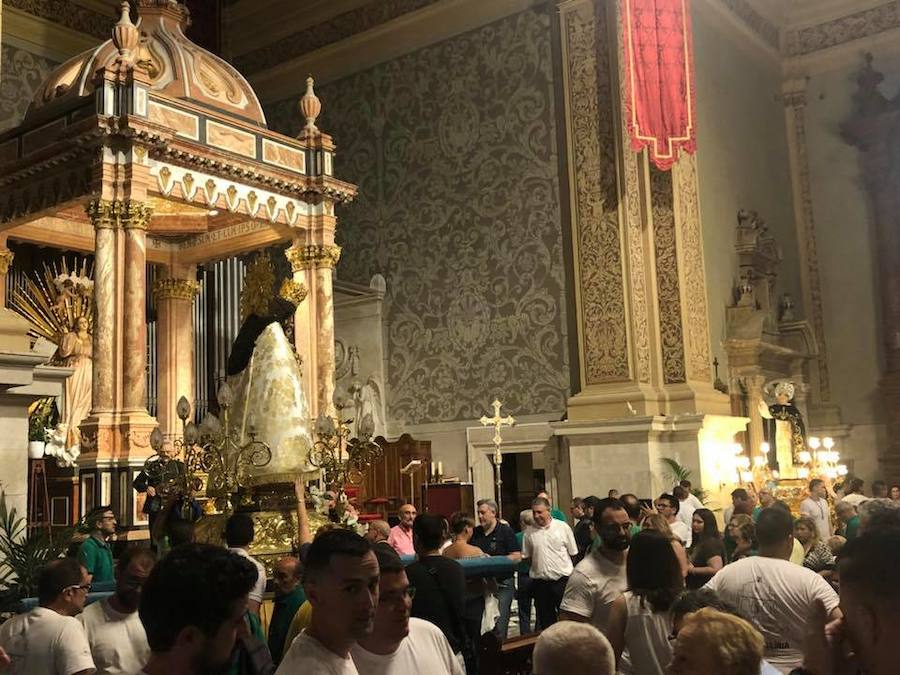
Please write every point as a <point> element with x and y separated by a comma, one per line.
<point>693,279</point>
<point>458,208</point>
<point>21,76</point>
<point>592,127</point>
<point>667,283</point>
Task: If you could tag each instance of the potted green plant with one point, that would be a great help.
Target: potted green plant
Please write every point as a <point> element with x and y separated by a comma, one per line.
<point>23,553</point>
<point>38,421</point>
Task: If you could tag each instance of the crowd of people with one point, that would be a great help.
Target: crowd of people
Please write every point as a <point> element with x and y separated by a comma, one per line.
<point>628,586</point>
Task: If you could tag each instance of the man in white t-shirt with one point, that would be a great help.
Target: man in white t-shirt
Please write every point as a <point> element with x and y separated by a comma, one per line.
<point>816,507</point>
<point>193,608</point>
<point>691,498</point>
<point>667,505</point>
<point>398,644</point>
<point>340,579</point>
<point>113,628</point>
<point>48,639</point>
<point>550,545</point>
<point>238,536</point>
<point>685,511</point>
<point>600,577</point>
<point>777,596</point>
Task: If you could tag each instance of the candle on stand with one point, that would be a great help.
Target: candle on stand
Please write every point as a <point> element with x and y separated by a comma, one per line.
<point>440,470</point>
<point>433,471</point>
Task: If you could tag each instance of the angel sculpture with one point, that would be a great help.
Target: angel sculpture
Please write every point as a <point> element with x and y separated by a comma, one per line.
<point>60,306</point>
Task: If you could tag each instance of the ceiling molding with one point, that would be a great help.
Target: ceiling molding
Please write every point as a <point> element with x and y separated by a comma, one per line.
<point>750,38</point>
<point>337,29</point>
<point>858,25</point>
<point>43,37</point>
<point>249,25</point>
<point>400,36</point>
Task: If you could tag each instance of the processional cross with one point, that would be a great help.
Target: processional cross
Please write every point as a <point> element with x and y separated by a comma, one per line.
<point>498,422</point>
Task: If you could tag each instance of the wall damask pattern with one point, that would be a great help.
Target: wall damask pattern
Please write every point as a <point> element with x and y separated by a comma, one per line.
<point>458,208</point>
<point>68,14</point>
<point>596,217</point>
<point>667,286</point>
<point>21,76</point>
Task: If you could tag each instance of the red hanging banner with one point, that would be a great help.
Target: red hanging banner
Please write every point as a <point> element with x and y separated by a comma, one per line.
<point>659,78</point>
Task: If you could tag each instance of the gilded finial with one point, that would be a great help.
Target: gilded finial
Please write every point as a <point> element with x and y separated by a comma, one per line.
<point>310,107</point>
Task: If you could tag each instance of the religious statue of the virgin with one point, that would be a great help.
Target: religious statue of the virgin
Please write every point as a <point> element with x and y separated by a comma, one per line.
<point>264,373</point>
<point>783,430</point>
<point>59,303</point>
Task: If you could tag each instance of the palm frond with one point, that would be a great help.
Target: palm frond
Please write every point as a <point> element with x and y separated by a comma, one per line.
<point>675,471</point>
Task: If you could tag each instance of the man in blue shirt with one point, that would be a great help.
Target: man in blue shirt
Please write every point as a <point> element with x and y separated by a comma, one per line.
<point>497,538</point>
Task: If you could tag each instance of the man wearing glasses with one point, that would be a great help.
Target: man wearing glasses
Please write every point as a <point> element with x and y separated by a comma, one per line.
<point>114,630</point>
<point>49,639</point>
<point>399,644</point>
<point>95,553</point>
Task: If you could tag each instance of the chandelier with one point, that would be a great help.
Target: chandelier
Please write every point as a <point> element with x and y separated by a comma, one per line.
<point>821,462</point>
<point>217,462</point>
<point>342,459</point>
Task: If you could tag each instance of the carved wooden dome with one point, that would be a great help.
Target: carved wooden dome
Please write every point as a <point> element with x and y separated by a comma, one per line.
<point>177,67</point>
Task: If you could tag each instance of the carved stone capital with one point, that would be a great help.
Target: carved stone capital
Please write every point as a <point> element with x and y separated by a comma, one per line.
<point>313,256</point>
<point>103,213</point>
<point>175,289</point>
<point>115,213</point>
<point>135,215</point>
<point>6,258</point>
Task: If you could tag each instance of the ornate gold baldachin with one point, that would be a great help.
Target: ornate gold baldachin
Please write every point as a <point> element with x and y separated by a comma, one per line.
<point>175,289</point>
<point>6,258</point>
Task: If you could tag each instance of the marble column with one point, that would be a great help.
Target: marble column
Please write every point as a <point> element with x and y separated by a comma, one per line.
<point>754,384</point>
<point>174,295</point>
<point>135,218</point>
<point>325,327</point>
<point>319,260</point>
<point>104,216</point>
<point>304,322</point>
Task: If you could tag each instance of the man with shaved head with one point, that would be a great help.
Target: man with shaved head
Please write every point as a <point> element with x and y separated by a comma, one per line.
<point>401,536</point>
<point>378,534</point>
<point>288,598</point>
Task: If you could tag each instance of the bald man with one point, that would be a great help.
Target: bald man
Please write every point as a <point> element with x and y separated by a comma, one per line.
<point>401,536</point>
<point>288,598</point>
<point>377,534</point>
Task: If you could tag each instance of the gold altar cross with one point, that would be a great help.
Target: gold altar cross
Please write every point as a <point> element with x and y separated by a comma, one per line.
<point>497,422</point>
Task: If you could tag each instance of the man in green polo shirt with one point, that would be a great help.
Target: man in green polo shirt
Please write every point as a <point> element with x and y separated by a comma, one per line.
<point>95,553</point>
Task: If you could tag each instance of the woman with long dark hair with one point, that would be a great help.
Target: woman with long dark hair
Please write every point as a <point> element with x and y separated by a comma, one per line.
<point>640,622</point>
<point>707,552</point>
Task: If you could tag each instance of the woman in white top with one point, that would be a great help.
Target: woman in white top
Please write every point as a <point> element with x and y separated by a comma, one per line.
<point>639,620</point>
